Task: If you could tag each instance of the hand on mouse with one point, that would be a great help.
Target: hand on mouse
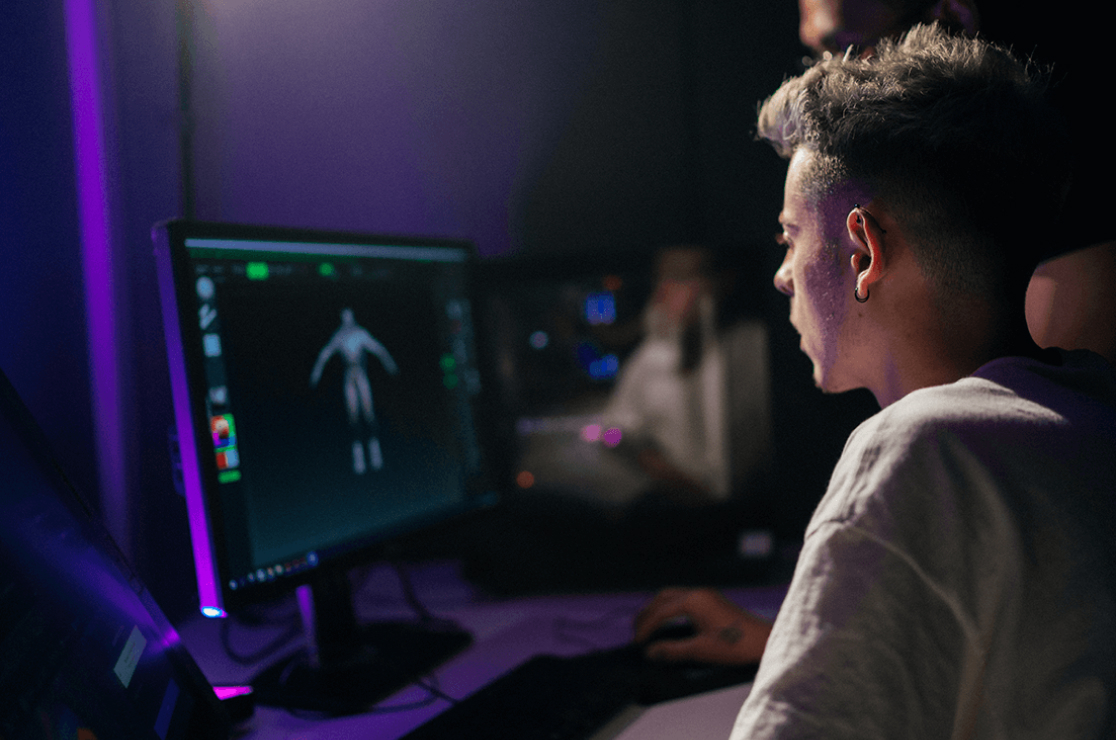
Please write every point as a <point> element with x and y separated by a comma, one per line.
<point>723,632</point>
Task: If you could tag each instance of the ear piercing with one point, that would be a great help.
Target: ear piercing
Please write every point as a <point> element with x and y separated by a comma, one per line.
<point>860,221</point>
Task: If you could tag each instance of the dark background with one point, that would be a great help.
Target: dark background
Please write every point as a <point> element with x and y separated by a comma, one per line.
<point>581,127</point>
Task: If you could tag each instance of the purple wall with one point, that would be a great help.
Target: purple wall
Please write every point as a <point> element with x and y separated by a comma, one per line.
<point>42,303</point>
<point>517,125</point>
<point>533,127</point>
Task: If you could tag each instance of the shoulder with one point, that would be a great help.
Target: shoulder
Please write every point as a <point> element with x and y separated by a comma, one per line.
<point>1011,392</point>
<point>1012,419</point>
<point>892,449</point>
<point>1074,381</point>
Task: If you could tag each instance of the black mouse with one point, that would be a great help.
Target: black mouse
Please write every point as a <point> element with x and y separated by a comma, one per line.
<point>673,630</point>
<point>634,651</point>
<point>664,680</point>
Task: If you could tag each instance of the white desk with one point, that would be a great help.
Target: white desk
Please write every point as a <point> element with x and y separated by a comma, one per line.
<point>708,715</point>
<point>506,633</point>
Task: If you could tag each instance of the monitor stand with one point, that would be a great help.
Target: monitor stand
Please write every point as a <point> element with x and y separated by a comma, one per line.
<point>346,667</point>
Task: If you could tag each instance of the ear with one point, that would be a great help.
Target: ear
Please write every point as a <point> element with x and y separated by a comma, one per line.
<point>869,257</point>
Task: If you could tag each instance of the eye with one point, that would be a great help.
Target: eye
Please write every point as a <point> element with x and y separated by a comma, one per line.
<point>783,240</point>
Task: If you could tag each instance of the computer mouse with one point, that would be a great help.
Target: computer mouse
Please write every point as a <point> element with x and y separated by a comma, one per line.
<point>663,680</point>
<point>673,630</point>
<point>636,652</point>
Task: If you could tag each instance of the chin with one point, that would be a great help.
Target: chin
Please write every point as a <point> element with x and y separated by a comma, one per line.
<point>832,387</point>
<point>825,380</point>
<point>827,384</point>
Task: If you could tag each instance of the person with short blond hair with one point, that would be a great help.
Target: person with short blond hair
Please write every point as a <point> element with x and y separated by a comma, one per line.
<point>957,579</point>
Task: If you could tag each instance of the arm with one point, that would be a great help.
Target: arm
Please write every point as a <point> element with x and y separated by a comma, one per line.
<point>913,572</point>
<point>370,344</point>
<point>323,358</point>
<point>864,647</point>
<point>724,633</point>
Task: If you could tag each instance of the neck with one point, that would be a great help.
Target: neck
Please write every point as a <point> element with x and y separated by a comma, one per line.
<point>950,349</point>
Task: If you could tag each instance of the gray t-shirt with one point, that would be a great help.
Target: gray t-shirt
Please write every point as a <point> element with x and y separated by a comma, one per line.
<point>957,579</point>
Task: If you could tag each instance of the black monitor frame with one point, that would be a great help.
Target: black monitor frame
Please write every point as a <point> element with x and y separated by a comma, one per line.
<point>320,578</point>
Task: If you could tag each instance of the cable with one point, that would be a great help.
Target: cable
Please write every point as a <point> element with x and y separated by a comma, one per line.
<point>430,686</point>
<point>293,631</point>
<point>412,599</point>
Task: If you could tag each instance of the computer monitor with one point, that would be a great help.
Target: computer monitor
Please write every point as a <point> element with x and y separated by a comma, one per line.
<point>634,452</point>
<point>86,651</point>
<point>601,358</point>
<point>325,389</point>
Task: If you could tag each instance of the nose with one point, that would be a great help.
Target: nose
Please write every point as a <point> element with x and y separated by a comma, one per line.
<point>783,282</point>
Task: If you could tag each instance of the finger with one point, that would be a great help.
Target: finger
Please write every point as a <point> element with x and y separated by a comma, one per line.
<point>709,649</point>
<point>699,605</point>
<point>672,651</point>
<point>702,607</point>
<point>668,595</point>
<point>657,605</point>
<point>702,649</point>
<point>666,605</point>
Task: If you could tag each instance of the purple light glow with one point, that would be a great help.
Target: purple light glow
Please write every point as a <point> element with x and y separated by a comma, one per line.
<point>209,589</point>
<point>229,692</point>
<point>90,162</point>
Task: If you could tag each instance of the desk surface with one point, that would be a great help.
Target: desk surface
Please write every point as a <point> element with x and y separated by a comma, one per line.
<point>506,633</point>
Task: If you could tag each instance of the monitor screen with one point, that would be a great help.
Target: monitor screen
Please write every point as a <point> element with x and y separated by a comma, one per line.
<point>634,436</point>
<point>626,377</point>
<point>87,652</point>
<point>325,387</point>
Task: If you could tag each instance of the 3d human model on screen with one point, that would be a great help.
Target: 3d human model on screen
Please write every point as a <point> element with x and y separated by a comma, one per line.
<point>351,341</point>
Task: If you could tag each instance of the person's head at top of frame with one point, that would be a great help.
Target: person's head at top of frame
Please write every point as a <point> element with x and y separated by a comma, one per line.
<point>922,185</point>
<point>835,26</point>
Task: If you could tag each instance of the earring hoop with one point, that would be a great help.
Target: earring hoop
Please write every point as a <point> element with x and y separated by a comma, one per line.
<point>856,294</point>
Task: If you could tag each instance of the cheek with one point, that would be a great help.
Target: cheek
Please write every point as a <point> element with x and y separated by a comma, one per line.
<point>822,281</point>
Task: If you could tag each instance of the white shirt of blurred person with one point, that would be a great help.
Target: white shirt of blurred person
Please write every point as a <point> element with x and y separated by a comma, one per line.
<point>669,398</point>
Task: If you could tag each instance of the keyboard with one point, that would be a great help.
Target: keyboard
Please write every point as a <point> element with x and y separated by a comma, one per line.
<point>573,698</point>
